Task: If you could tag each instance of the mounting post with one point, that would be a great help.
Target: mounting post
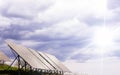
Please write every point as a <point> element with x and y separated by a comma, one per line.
<point>18,65</point>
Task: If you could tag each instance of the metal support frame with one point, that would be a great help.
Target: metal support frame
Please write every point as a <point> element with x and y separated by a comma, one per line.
<point>19,65</point>
<point>19,59</point>
<point>12,63</point>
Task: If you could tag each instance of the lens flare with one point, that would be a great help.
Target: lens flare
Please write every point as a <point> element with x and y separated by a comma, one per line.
<point>103,37</point>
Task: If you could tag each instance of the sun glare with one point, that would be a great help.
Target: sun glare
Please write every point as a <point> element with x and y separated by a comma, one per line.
<point>103,37</point>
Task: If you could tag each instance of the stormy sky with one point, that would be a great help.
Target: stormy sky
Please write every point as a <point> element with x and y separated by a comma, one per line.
<point>85,33</point>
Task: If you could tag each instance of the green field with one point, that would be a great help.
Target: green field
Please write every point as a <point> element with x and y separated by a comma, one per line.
<point>5,67</point>
<point>14,71</point>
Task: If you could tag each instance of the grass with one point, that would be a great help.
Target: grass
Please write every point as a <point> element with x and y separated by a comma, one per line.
<point>5,67</point>
<point>14,71</point>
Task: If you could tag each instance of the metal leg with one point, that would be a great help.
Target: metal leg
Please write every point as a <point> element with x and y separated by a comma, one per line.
<point>18,65</point>
<point>25,66</point>
<point>12,62</point>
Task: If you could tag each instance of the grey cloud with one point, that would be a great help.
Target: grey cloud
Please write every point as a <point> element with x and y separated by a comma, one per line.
<point>112,4</point>
<point>93,20</point>
<point>24,9</point>
<point>115,18</point>
<point>116,53</point>
<point>82,57</point>
<point>61,31</point>
<point>62,48</point>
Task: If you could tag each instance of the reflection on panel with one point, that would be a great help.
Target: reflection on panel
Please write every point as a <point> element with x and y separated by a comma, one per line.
<point>50,61</point>
<point>57,62</point>
<point>46,64</point>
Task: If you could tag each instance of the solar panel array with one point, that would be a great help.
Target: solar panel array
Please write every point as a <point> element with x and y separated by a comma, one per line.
<point>36,59</point>
<point>3,56</point>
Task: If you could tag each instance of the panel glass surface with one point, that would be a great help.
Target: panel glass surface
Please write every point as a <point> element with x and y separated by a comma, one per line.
<point>27,55</point>
<point>57,62</point>
<point>50,61</point>
<point>42,59</point>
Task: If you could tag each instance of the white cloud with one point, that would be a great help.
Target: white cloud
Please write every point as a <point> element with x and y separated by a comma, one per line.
<point>61,10</point>
<point>19,21</point>
<point>66,9</point>
<point>25,8</point>
<point>69,28</point>
<point>4,21</point>
<point>30,43</point>
<point>21,12</point>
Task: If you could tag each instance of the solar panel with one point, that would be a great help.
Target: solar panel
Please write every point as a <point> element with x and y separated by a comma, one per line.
<point>27,55</point>
<point>42,59</point>
<point>3,56</point>
<point>57,62</point>
<point>50,61</point>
